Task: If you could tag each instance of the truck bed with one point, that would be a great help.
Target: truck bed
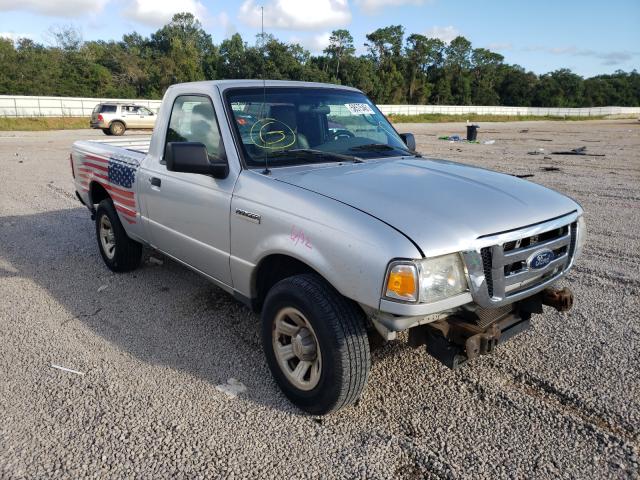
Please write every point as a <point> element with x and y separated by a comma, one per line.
<point>138,143</point>
<point>113,164</point>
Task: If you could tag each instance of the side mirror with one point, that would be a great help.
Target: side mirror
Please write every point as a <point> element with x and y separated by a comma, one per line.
<point>409,140</point>
<point>192,157</point>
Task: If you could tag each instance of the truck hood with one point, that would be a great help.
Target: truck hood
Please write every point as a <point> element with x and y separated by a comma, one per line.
<point>441,206</point>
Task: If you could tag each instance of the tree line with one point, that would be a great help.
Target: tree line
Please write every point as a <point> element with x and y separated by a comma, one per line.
<point>396,69</point>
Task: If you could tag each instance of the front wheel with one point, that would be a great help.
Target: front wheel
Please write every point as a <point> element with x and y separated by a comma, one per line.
<point>316,344</point>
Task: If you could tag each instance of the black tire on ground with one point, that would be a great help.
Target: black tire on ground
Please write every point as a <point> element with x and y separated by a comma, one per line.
<point>117,128</point>
<point>106,131</point>
<point>127,253</point>
<point>339,327</point>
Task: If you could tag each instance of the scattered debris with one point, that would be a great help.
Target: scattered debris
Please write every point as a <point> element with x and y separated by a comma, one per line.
<point>579,151</point>
<point>542,139</point>
<point>94,313</point>
<point>65,369</point>
<point>524,130</point>
<point>232,388</point>
<point>488,142</point>
<point>539,151</point>
<point>547,158</point>
<point>156,261</point>
<point>102,287</point>
<point>524,175</point>
<point>451,138</point>
<point>551,169</point>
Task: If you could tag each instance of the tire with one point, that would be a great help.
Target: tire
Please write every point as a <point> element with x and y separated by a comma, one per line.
<point>125,254</point>
<point>342,350</point>
<point>106,131</point>
<point>117,128</point>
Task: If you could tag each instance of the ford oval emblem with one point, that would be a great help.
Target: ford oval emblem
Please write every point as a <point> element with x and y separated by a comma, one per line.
<point>540,259</point>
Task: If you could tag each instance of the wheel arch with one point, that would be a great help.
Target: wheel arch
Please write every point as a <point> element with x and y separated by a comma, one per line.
<point>119,120</point>
<point>273,268</point>
<point>97,193</point>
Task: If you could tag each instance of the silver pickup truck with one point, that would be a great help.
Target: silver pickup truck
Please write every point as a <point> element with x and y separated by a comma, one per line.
<point>302,201</point>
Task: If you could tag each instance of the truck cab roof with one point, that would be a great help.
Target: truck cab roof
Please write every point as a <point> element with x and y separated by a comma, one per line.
<point>240,83</point>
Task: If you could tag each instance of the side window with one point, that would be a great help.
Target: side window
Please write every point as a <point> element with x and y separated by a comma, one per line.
<point>193,120</point>
<point>108,109</point>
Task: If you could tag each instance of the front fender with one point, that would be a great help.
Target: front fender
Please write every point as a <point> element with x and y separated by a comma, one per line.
<point>349,248</point>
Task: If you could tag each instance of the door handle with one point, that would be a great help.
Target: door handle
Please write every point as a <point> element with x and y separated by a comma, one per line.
<point>155,182</point>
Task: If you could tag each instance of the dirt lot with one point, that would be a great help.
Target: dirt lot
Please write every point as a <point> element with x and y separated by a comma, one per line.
<point>560,401</point>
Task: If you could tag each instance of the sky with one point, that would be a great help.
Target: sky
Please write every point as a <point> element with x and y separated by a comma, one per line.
<point>590,37</point>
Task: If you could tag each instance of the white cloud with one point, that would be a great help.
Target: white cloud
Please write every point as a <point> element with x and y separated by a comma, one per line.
<point>13,36</point>
<point>446,34</point>
<point>612,57</point>
<point>222,20</point>
<point>314,43</point>
<point>500,46</point>
<point>297,14</point>
<point>374,6</point>
<point>55,8</point>
<point>156,13</point>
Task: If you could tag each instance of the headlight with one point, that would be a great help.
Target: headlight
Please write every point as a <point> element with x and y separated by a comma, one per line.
<point>441,277</point>
<point>427,280</point>
<point>581,236</point>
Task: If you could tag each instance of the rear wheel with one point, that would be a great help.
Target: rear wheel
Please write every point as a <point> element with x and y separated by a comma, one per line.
<point>119,252</point>
<point>117,128</point>
<point>316,344</point>
<point>106,131</point>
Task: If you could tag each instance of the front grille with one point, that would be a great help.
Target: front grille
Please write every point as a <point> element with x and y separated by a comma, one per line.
<point>486,267</point>
<point>487,316</point>
<point>509,266</point>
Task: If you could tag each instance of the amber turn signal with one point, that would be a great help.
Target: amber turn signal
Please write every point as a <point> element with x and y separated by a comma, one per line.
<point>402,283</point>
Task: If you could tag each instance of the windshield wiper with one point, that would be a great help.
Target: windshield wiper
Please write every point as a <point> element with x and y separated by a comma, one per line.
<point>382,147</point>
<point>302,152</point>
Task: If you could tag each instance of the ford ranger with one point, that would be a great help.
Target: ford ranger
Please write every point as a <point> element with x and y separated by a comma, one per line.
<point>302,201</point>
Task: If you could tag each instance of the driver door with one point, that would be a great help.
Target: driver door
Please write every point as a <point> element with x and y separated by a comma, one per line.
<point>188,213</point>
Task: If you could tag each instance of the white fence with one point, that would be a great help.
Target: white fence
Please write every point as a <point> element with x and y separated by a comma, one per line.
<point>510,111</point>
<point>25,106</point>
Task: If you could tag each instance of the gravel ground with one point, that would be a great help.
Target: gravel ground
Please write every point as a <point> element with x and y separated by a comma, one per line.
<point>159,347</point>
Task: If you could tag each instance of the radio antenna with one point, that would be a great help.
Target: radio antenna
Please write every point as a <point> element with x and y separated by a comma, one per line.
<point>266,170</point>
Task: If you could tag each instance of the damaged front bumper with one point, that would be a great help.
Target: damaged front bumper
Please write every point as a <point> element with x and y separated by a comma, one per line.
<point>455,337</point>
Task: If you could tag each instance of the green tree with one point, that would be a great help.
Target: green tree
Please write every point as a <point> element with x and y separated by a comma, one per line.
<point>419,71</point>
<point>485,72</point>
<point>422,53</point>
<point>385,44</point>
<point>340,46</point>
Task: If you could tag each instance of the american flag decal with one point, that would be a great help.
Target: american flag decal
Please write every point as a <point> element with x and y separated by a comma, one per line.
<point>117,177</point>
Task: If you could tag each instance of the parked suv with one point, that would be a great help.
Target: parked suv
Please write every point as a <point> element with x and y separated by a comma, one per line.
<point>116,118</point>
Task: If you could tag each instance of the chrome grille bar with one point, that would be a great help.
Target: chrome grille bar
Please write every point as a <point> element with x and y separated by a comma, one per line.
<point>498,277</point>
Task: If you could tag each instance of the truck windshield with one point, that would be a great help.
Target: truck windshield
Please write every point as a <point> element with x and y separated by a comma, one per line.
<point>298,125</point>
